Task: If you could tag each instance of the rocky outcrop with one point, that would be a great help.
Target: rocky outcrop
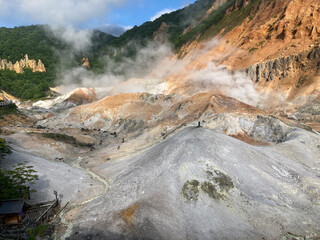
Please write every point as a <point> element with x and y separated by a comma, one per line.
<point>17,67</point>
<point>310,112</point>
<point>40,67</point>
<point>241,3</point>
<point>7,97</point>
<point>74,98</point>
<point>162,34</point>
<point>307,61</point>
<point>129,113</point>
<point>85,62</point>
<point>23,63</point>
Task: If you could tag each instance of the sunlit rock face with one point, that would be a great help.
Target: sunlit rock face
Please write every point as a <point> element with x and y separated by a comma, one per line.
<point>7,97</point>
<point>72,99</point>
<point>23,63</point>
<point>85,62</point>
<point>277,45</point>
<point>200,184</point>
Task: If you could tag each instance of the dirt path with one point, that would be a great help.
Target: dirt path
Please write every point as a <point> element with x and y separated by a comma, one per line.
<point>77,164</point>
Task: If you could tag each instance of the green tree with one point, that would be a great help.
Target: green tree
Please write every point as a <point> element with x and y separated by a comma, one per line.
<point>4,149</point>
<point>13,181</point>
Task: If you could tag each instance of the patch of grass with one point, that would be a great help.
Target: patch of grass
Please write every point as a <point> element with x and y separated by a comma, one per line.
<point>6,110</point>
<point>302,81</point>
<point>64,138</point>
<point>252,49</point>
<point>206,28</point>
<point>231,20</point>
<point>39,231</point>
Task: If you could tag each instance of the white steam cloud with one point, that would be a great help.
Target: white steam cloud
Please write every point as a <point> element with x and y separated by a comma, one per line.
<point>236,85</point>
<point>159,14</point>
<point>154,64</point>
<point>132,71</point>
<point>66,12</point>
<point>79,40</point>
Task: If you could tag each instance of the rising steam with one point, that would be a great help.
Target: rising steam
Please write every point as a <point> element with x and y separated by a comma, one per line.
<point>236,85</point>
<point>150,70</point>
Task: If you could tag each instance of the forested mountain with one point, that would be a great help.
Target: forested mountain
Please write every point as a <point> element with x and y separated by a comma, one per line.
<point>202,20</point>
<point>39,43</point>
<point>182,26</point>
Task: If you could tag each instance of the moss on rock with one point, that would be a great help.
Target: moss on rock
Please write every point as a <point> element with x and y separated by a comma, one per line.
<point>190,190</point>
<point>211,190</point>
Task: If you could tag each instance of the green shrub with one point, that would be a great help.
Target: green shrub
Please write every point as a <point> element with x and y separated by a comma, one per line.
<point>4,149</point>
<point>12,181</point>
<point>39,231</point>
<point>64,138</point>
<point>252,49</point>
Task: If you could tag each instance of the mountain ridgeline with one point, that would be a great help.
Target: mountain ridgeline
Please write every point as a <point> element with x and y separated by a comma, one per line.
<point>182,26</point>
<point>201,20</point>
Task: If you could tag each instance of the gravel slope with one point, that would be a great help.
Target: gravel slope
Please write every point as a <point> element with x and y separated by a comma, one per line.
<point>200,184</point>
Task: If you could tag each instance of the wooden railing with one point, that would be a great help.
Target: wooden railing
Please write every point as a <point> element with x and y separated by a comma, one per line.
<point>48,213</point>
<point>6,103</point>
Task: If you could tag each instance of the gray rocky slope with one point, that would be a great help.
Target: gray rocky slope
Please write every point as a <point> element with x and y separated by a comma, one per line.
<point>200,184</point>
<point>307,61</point>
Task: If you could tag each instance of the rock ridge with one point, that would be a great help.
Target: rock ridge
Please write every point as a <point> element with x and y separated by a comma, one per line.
<point>23,63</point>
<point>279,68</point>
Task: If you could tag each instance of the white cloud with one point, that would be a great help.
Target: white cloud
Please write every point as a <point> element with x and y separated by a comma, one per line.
<point>159,14</point>
<point>66,12</point>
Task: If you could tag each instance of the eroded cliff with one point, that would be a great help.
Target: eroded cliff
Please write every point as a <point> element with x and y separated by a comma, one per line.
<point>23,63</point>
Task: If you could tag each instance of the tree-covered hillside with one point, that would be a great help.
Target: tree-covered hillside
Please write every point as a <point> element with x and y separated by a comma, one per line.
<point>185,25</point>
<point>39,44</point>
<point>178,22</point>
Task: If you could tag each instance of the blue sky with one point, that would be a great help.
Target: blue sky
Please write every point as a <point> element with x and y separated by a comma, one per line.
<point>84,13</point>
<point>140,12</point>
